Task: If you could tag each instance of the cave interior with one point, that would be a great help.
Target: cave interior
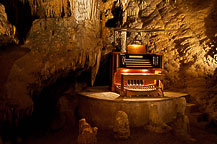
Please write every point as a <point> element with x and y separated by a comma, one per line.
<point>54,54</point>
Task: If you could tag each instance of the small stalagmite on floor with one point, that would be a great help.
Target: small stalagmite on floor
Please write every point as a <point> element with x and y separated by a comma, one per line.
<point>87,134</point>
<point>121,127</point>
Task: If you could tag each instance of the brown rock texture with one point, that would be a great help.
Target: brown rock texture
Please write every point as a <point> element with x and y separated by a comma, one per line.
<point>189,49</point>
<point>87,134</point>
<point>7,31</point>
<point>54,46</point>
<point>155,123</point>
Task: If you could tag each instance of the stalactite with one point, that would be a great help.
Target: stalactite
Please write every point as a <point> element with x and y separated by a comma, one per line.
<point>70,2</point>
<point>95,68</point>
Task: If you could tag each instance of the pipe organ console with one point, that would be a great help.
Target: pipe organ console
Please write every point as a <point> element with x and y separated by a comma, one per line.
<point>136,72</point>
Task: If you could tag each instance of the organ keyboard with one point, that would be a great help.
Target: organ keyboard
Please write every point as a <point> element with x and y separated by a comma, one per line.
<point>135,71</point>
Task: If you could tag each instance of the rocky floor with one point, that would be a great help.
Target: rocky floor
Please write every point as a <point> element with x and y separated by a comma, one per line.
<point>138,136</point>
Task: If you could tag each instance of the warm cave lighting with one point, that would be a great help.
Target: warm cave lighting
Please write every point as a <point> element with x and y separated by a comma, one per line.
<point>144,99</point>
<point>125,70</point>
<point>136,49</point>
<point>144,70</point>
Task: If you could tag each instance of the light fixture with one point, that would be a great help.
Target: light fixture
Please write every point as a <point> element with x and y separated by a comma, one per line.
<point>125,70</point>
<point>144,70</point>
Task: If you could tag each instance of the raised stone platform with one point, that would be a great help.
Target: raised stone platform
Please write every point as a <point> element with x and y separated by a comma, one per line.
<point>99,106</point>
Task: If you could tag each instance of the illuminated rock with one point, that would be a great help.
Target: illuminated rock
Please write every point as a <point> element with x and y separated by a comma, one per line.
<point>121,126</point>
<point>53,48</point>
<point>155,122</point>
<point>7,31</point>
<point>87,134</point>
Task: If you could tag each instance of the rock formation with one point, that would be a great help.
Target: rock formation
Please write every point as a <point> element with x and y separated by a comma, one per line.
<point>7,31</point>
<point>87,134</point>
<point>181,127</point>
<point>121,128</point>
<point>155,123</point>
<point>58,37</point>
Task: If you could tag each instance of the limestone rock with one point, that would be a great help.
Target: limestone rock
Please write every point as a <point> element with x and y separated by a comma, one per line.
<point>155,123</point>
<point>87,134</point>
<point>121,126</point>
<point>67,105</point>
<point>54,47</point>
<point>181,127</point>
<point>7,31</point>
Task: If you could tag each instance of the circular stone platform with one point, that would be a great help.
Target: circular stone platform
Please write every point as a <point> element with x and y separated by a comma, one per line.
<point>99,106</point>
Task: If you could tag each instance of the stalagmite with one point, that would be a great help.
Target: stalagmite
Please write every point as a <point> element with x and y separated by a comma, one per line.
<point>121,128</point>
<point>87,134</point>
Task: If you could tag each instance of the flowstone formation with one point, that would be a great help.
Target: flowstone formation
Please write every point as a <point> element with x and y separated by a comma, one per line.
<point>121,126</point>
<point>189,48</point>
<point>87,134</point>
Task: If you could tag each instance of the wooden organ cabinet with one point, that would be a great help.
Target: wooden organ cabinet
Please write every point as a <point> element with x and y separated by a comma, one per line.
<point>136,72</point>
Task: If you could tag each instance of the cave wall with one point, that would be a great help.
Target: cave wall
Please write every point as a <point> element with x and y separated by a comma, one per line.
<point>7,30</point>
<point>55,39</point>
<point>189,49</point>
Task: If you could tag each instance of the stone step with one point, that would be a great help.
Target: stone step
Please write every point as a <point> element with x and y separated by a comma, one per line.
<point>191,108</point>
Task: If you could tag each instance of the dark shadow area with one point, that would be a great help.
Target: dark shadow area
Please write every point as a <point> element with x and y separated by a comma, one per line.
<point>103,76</point>
<point>19,14</point>
<point>8,55</point>
<point>138,136</point>
<point>47,119</point>
<point>117,12</point>
<point>45,103</point>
